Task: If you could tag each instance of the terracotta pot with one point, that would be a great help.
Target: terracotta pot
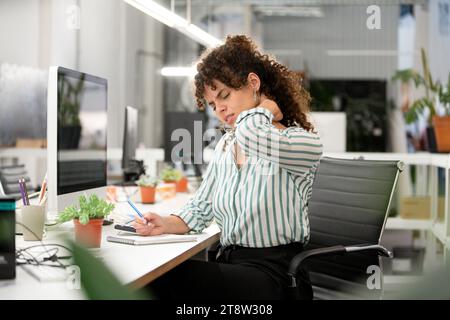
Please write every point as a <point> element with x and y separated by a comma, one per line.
<point>442,132</point>
<point>147,194</point>
<point>90,234</point>
<point>171,182</point>
<point>182,185</point>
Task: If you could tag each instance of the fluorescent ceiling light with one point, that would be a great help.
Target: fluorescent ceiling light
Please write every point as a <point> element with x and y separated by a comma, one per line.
<point>200,35</point>
<point>353,53</point>
<point>284,52</point>
<point>368,53</point>
<point>179,71</point>
<point>173,20</point>
<point>292,11</point>
<point>156,11</point>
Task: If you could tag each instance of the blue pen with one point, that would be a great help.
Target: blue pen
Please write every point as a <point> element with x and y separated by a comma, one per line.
<point>137,211</point>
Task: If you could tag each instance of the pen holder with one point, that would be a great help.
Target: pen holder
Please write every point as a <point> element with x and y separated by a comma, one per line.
<point>33,219</point>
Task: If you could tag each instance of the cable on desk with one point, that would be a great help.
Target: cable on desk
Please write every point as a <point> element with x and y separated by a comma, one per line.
<point>33,259</point>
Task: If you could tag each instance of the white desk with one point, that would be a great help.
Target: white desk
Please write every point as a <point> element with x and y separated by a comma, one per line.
<point>134,266</point>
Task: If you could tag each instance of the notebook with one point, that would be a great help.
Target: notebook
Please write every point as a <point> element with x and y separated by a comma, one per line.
<point>133,239</point>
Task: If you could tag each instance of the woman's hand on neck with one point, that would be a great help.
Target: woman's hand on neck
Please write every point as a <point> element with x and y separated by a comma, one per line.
<point>272,106</point>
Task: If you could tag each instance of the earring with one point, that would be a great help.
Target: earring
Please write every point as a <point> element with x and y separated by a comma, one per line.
<point>256,97</point>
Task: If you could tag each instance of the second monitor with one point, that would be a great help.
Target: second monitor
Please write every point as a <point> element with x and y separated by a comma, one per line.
<point>132,168</point>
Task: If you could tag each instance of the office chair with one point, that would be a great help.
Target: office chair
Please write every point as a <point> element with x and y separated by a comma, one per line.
<point>9,180</point>
<point>348,210</point>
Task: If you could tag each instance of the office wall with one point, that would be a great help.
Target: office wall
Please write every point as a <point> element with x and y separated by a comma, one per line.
<point>342,28</point>
<point>58,34</point>
<point>19,32</point>
<point>439,40</point>
<point>34,33</point>
<point>114,41</point>
<point>100,53</point>
<point>149,83</point>
<point>124,45</point>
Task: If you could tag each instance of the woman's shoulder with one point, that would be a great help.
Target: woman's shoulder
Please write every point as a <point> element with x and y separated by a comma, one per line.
<point>297,129</point>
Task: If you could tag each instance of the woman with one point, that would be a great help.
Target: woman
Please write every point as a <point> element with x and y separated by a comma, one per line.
<point>257,185</point>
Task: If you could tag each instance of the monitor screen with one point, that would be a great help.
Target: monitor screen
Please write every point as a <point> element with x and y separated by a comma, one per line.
<point>184,137</point>
<point>130,137</point>
<point>82,125</point>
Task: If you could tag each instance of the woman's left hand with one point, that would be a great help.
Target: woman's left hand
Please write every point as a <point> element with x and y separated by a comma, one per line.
<point>272,107</point>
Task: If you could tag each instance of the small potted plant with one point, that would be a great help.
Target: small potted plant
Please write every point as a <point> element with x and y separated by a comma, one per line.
<point>88,219</point>
<point>172,175</point>
<point>442,123</point>
<point>147,186</point>
<point>437,127</point>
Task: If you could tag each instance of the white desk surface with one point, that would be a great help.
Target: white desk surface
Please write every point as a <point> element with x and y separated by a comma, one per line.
<point>135,266</point>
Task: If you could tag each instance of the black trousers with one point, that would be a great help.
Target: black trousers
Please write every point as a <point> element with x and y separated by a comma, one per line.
<point>238,273</point>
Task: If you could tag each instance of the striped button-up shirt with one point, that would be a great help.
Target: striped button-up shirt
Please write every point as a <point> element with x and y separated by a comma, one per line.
<point>264,202</point>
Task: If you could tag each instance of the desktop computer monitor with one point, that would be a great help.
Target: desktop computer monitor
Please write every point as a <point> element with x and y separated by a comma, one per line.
<point>76,134</point>
<point>190,126</point>
<point>131,167</point>
<point>130,136</point>
<point>183,137</point>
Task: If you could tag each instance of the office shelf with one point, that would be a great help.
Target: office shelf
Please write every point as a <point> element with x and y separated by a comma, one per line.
<point>407,224</point>
<point>438,230</point>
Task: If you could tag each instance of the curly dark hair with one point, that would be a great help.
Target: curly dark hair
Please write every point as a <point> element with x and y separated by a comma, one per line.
<point>231,63</point>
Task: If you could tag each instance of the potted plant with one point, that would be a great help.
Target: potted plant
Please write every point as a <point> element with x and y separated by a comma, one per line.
<point>442,123</point>
<point>147,186</point>
<point>88,219</point>
<point>426,103</point>
<point>172,175</point>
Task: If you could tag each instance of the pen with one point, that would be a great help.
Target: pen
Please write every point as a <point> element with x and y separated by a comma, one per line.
<point>43,188</point>
<point>44,200</point>
<point>22,192</point>
<point>137,211</point>
<point>26,192</point>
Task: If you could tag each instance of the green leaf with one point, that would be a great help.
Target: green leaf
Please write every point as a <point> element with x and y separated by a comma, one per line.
<point>171,174</point>
<point>92,208</point>
<point>147,181</point>
<point>408,75</point>
<point>68,214</point>
<point>98,282</point>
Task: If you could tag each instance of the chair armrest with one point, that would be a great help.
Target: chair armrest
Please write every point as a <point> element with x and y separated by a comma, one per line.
<point>301,257</point>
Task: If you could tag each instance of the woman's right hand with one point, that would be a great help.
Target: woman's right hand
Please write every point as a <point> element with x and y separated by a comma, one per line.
<point>155,225</point>
<point>272,106</point>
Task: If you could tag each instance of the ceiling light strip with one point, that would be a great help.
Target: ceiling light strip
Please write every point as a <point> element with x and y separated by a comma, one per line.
<point>173,20</point>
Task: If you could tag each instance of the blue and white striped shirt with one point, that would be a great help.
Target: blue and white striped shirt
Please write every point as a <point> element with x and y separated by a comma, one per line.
<point>264,203</point>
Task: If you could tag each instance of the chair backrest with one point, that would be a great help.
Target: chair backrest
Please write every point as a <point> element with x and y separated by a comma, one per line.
<point>348,206</point>
<point>9,180</point>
